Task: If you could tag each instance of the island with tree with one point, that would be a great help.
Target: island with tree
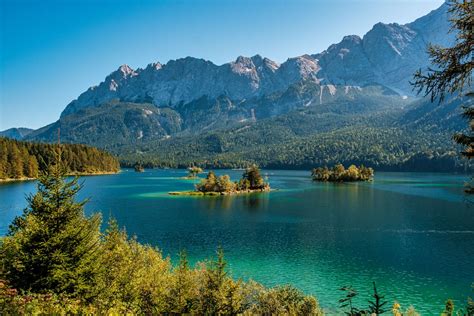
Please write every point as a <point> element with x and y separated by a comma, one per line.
<point>213,185</point>
<point>340,174</point>
<point>193,173</point>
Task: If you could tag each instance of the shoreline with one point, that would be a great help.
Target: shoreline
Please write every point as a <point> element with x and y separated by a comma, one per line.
<point>214,193</point>
<point>79,174</point>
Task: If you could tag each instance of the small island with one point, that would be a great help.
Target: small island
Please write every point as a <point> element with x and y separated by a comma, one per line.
<point>214,185</point>
<point>139,168</point>
<point>339,174</point>
<point>193,172</point>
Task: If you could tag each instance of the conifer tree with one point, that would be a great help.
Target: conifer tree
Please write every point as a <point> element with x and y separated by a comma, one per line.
<point>452,69</point>
<point>53,246</point>
<point>252,175</point>
<point>212,291</point>
<point>181,293</point>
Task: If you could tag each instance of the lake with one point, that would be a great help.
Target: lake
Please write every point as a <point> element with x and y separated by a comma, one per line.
<point>411,233</point>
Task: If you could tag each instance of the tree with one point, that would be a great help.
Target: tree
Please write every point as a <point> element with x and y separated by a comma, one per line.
<point>209,184</point>
<point>377,305</point>
<point>452,68</point>
<point>181,293</point>
<point>32,167</point>
<point>212,291</point>
<point>53,246</point>
<point>255,180</point>
<point>225,184</point>
<point>194,171</point>
<point>449,308</point>
<point>347,301</point>
<point>337,172</point>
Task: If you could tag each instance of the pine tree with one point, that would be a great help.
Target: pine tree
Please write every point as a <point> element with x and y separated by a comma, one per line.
<point>53,246</point>
<point>453,67</point>
<point>449,308</point>
<point>212,292</point>
<point>377,305</point>
<point>181,291</point>
<point>252,174</point>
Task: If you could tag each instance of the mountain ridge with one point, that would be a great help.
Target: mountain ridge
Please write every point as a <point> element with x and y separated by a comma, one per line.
<point>386,55</point>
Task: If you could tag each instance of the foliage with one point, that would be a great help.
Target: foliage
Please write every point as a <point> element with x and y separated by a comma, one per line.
<point>377,305</point>
<point>347,300</point>
<point>52,247</point>
<point>27,160</point>
<point>339,174</point>
<point>449,308</point>
<point>251,180</point>
<point>465,139</point>
<point>273,147</point>
<point>397,311</point>
<point>194,171</point>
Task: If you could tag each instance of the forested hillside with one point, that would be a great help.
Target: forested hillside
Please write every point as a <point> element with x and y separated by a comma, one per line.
<point>418,138</point>
<point>20,160</point>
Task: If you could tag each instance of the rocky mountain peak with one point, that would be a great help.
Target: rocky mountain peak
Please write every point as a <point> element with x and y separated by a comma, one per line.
<point>126,71</point>
<point>387,55</point>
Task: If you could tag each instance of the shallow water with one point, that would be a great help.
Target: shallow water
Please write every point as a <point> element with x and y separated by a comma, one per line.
<point>411,233</point>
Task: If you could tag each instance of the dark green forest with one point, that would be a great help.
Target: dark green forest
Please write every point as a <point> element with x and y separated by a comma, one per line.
<point>384,149</point>
<point>20,160</point>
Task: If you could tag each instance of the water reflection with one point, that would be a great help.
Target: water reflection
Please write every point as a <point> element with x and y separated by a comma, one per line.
<point>253,202</point>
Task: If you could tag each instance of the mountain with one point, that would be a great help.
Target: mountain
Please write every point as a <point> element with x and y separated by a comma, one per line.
<point>387,55</point>
<point>353,99</point>
<point>16,133</point>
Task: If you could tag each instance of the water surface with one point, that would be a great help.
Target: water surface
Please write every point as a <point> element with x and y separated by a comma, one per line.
<point>411,233</point>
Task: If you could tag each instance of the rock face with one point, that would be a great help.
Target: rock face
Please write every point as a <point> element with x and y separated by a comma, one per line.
<point>387,55</point>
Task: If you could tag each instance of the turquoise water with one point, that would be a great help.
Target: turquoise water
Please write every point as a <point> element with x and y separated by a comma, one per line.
<point>412,233</point>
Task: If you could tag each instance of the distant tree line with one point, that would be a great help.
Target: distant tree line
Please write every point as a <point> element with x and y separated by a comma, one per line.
<point>386,149</point>
<point>20,159</point>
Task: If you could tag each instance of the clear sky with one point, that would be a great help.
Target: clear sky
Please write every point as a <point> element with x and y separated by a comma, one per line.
<point>52,50</point>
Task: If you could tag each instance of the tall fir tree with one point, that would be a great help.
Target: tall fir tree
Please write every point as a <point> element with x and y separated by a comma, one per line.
<point>52,246</point>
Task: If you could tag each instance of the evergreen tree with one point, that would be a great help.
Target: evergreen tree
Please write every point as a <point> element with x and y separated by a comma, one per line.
<point>181,293</point>
<point>252,175</point>
<point>53,246</point>
<point>449,308</point>
<point>377,305</point>
<point>212,292</point>
<point>453,66</point>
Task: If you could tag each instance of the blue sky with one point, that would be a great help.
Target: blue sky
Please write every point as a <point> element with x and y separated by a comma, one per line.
<point>52,50</point>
